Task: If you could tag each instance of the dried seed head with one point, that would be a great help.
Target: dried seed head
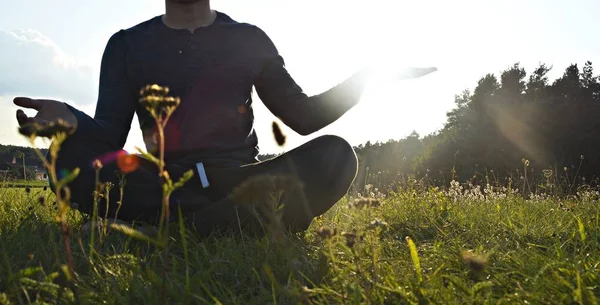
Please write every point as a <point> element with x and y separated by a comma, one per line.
<point>155,99</point>
<point>27,190</point>
<point>326,233</point>
<point>350,238</point>
<point>474,262</point>
<point>42,200</point>
<point>108,186</point>
<point>364,202</point>
<point>47,129</point>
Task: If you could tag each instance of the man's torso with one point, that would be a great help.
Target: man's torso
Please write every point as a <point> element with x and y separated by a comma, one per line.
<point>212,70</point>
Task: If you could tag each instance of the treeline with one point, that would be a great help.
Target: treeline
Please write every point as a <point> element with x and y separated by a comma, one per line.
<point>10,152</point>
<point>507,125</point>
<point>25,161</point>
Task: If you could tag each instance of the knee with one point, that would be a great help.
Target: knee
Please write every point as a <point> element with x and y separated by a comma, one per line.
<point>340,151</point>
<point>341,158</point>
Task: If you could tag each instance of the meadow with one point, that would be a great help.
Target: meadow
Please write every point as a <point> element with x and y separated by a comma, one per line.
<point>462,244</point>
<point>480,241</point>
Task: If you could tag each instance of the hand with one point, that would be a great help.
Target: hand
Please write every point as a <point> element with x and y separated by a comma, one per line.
<point>381,74</point>
<point>48,111</point>
<point>409,73</point>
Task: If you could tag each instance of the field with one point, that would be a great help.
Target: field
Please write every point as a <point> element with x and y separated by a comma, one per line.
<point>419,245</point>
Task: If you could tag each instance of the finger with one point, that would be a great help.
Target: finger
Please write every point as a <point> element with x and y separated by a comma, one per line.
<point>416,72</point>
<point>28,103</point>
<point>40,121</point>
<point>22,118</point>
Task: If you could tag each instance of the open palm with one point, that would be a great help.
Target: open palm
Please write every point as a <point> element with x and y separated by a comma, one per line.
<point>47,111</point>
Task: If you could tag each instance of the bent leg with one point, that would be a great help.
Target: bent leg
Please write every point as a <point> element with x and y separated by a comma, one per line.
<point>325,166</point>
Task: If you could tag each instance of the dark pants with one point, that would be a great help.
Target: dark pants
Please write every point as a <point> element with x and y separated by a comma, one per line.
<point>324,169</point>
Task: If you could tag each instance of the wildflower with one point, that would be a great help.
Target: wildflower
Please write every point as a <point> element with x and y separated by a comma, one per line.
<point>326,233</point>
<point>127,163</point>
<point>155,97</point>
<point>361,203</point>
<point>378,223</point>
<point>278,134</point>
<point>97,164</point>
<point>350,238</point>
<point>581,157</point>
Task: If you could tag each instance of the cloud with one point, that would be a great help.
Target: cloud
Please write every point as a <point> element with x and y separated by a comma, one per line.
<point>31,64</point>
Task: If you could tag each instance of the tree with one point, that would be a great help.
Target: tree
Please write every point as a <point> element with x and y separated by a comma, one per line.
<point>20,154</point>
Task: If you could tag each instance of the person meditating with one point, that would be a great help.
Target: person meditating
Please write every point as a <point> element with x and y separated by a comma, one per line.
<point>212,63</point>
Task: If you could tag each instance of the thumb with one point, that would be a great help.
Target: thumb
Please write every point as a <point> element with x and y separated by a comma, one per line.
<point>28,103</point>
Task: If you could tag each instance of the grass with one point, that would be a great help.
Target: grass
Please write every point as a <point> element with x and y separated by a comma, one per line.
<point>419,246</point>
<point>23,183</point>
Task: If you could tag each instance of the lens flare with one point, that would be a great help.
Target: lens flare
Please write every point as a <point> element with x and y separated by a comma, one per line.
<point>127,163</point>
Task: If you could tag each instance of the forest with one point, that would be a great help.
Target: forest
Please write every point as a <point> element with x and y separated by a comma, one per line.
<point>506,127</point>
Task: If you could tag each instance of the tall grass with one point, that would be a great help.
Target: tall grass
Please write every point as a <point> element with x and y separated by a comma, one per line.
<point>418,245</point>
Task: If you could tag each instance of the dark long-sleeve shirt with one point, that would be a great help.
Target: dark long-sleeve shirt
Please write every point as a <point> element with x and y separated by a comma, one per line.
<point>213,71</point>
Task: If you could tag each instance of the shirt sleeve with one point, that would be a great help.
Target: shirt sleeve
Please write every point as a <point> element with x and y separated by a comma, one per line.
<point>286,100</point>
<point>116,99</point>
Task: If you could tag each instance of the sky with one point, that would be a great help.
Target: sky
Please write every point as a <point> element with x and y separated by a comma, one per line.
<point>52,49</point>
